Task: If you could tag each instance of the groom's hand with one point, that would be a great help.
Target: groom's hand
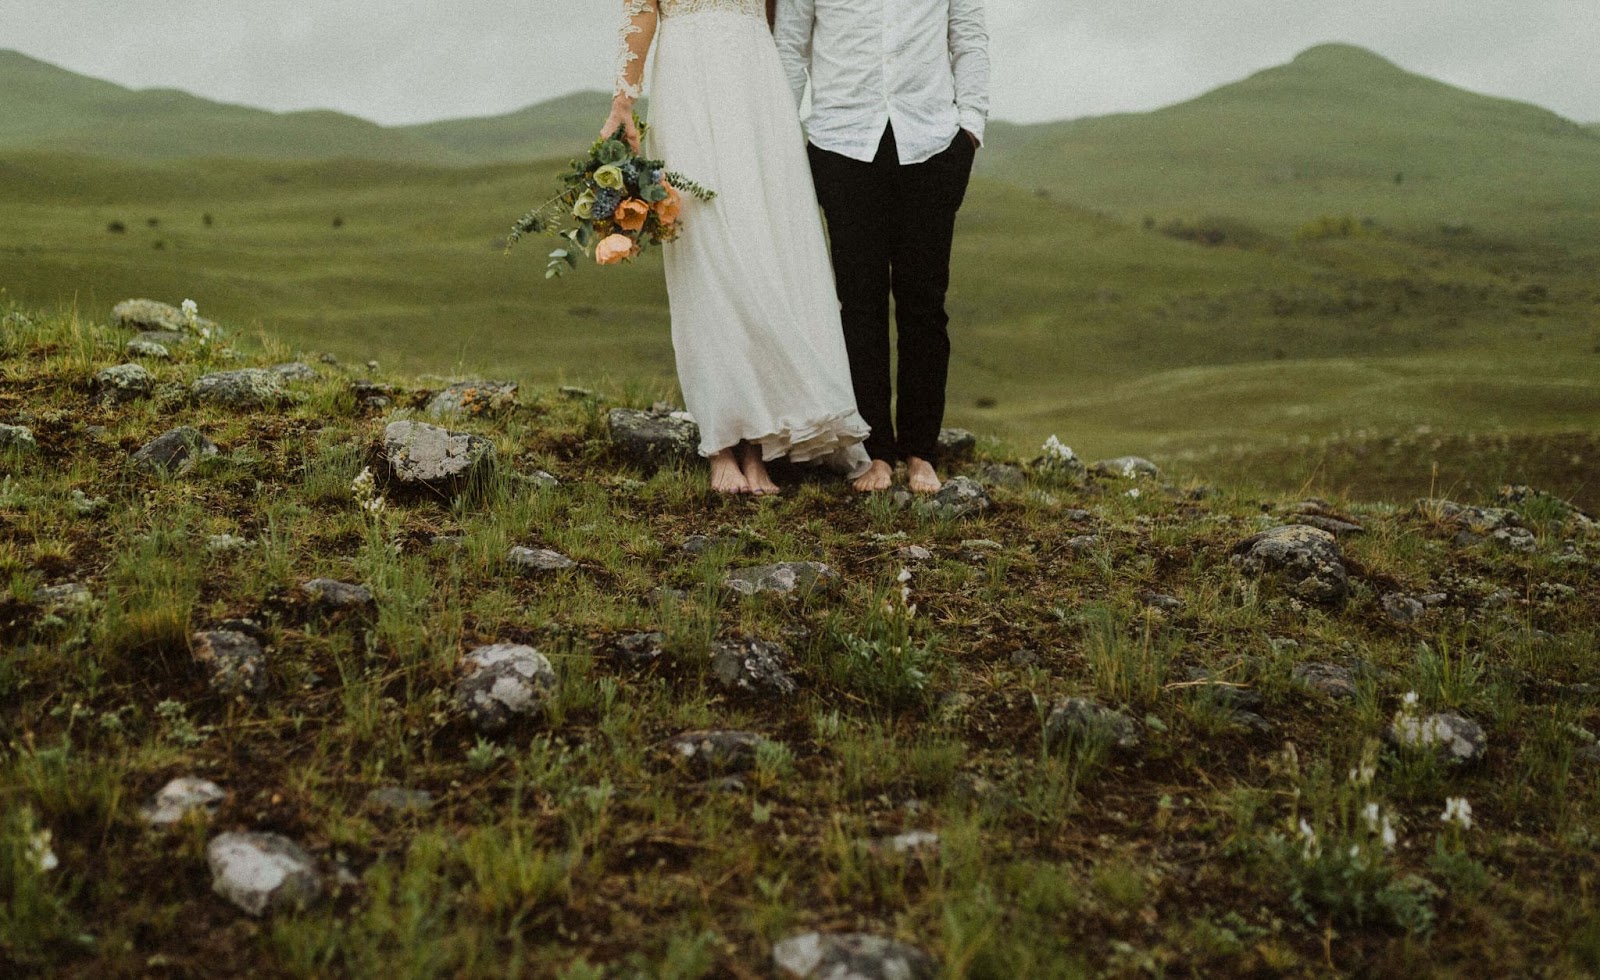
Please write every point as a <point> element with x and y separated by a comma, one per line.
<point>968,134</point>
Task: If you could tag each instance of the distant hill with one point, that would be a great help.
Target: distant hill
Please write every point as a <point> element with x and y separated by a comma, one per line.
<point>560,126</point>
<point>1338,129</point>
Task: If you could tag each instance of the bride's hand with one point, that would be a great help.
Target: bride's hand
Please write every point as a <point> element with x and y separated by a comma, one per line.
<point>622,118</point>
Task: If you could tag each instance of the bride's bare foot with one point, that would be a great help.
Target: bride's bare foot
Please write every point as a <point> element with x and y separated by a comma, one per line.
<point>920,475</point>
<point>725,475</point>
<point>877,477</point>
<point>755,471</point>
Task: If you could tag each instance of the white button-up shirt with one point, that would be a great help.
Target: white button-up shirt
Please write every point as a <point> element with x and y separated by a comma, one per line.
<point>920,65</point>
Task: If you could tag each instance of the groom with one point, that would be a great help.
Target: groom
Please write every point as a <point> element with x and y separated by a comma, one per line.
<point>899,97</point>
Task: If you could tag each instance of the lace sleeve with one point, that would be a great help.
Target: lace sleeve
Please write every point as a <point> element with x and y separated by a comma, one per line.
<point>638,30</point>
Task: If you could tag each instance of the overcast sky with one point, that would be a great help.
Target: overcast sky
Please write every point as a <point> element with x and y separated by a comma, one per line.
<point>400,61</point>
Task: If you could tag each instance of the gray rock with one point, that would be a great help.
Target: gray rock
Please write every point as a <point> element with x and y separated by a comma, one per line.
<point>332,598</point>
<point>398,800</point>
<point>715,753</point>
<point>699,544</point>
<point>262,872</point>
<point>910,842</point>
<point>1332,525</point>
<point>123,383</point>
<point>956,444</point>
<point>1082,544</point>
<point>850,956</point>
<point>154,350</point>
<point>295,371</point>
<point>1518,539</point>
<point>1453,738</point>
<point>372,394</point>
<point>536,561</point>
<point>502,683</point>
<point>147,314</point>
<point>179,798</point>
<point>960,497</point>
<point>1305,559</point>
<point>165,338</point>
<point>244,388</point>
<point>1480,520</point>
<point>65,597</point>
<point>474,398</point>
<point>233,661</point>
<point>649,440</point>
<point>175,450</point>
<point>1330,680</point>
<point>781,578</point>
<point>1082,718</point>
<point>1163,602</point>
<point>575,393</point>
<point>446,462</point>
<point>1402,608</point>
<point>641,649</point>
<point>1126,467</point>
<point>538,479</point>
<point>751,667</point>
<point>913,553</point>
<point>17,438</point>
<point>1002,475</point>
<point>1077,514</point>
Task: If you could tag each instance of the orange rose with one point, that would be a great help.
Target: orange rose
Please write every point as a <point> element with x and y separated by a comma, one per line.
<point>613,249</point>
<point>668,209</point>
<point>631,213</point>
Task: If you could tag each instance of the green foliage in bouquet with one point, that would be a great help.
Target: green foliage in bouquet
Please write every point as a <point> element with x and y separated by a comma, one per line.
<point>617,204</point>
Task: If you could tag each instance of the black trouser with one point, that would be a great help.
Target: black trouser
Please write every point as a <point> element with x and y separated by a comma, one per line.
<point>890,227</point>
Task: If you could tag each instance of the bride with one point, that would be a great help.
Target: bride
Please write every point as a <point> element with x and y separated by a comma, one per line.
<point>755,318</point>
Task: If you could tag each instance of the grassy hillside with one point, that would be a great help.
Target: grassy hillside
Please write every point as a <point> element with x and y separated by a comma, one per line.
<point>1338,131</point>
<point>565,125</point>
<point>1246,816</point>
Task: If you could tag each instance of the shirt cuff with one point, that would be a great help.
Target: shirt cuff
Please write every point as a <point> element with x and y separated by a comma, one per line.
<point>973,122</point>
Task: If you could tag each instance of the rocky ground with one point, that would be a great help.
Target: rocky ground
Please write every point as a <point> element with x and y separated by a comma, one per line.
<point>309,671</point>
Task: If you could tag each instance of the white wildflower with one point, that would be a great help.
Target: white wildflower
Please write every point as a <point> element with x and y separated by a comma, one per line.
<point>904,576</point>
<point>1388,835</point>
<point>1310,848</point>
<point>191,310</point>
<point>1057,452</point>
<point>1363,774</point>
<point>1409,701</point>
<point>1457,811</point>
<point>39,850</point>
<point>1134,493</point>
<point>1370,813</point>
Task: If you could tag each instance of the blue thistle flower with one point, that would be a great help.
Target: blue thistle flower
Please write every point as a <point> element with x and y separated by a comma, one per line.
<point>605,203</point>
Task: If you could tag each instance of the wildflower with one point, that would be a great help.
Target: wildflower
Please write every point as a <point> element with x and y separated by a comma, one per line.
<point>1457,811</point>
<point>191,310</point>
<point>609,177</point>
<point>1057,452</point>
<point>1363,774</point>
<point>1388,835</point>
<point>1310,848</point>
<point>1409,701</point>
<point>1370,813</point>
<point>583,207</point>
<point>39,850</point>
<point>631,214</point>
<point>1134,493</point>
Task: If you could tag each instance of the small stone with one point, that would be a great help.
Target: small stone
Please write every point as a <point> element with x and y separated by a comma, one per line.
<point>535,561</point>
<point>640,650</point>
<point>262,872</point>
<point>960,497</point>
<point>233,661</point>
<point>473,399</point>
<point>1024,658</point>
<point>398,800</point>
<point>295,371</point>
<point>1518,539</point>
<point>1330,524</point>
<point>226,543</point>
<point>850,956</point>
<point>17,438</point>
<point>575,393</point>
<point>1163,602</point>
<point>956,444</point>
<point>1077,515</point>
<point>1082,544</point>
<point>245,388</point>
<point>332,598</point>
<point>328,359</point>
<point>1402,608</point>
<point>699,544</point>
<point>1329,680</point>
<point>372,394</point>
<point>503,682</point>
<point>181,797</point>
<point>174,451</point>
<point>538,479</point>
<point>1084,718</point>
<point>649,440</point>
<point>65,597</point>
<point>715,753</point>
<point>751,667</point>
<point>913,553</point>
<point>428,456</point>
<point>1305,559</point>
<point>781,578</point>
<point>1454,738</point>
<point>140,347</point>
<point>1126,467</point>
<point>1002,475</point>
<point>123,383</point>
<point>916,842</point>
<point>147,314</point>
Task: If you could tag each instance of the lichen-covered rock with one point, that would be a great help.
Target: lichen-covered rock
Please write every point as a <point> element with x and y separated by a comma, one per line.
<point>244,388</point>
<point>641,649</point>
<point>502,683</point>
<point>751,667</point>
<point>1330,680</point>
<point>179,798</point>
<point>1452,737</point>
<point>1126,467</point>
<point>650,440</point>
<point>781,578</point>
<point>535,561</point>
<point>333,598</point>
<point>1305,559</point>
<point>1002,475</point>
<point>17,438</point>
<point>426,455</point>
<point>233,661</point>
<point>148,314</point>
<point>261,873</point>
<point>474,398</point>
<point>850,956</point>
<point>714,753</point>
<point>295,371</point>
<point>175,451</point>
<point>956,444</point>
<point>151,349</point>
<point>65,597</point>
<point>123,383</point>
<point>959,497</point>
<point>1402,608</point>
<point>1084,719</point>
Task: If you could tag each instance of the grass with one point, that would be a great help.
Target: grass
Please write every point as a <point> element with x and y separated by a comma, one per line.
<point>571,847</point>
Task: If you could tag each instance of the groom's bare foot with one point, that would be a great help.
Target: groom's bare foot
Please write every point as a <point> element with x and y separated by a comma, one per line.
<point>725,474</point>
<point>877,477</point>
<point>755,471</point>
<point>920,475</point>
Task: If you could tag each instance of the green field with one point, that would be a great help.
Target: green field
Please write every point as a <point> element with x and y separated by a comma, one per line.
<point>1332,304</point>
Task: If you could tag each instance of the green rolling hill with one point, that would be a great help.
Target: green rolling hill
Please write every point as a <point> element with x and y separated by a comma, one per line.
<point>564,125</point>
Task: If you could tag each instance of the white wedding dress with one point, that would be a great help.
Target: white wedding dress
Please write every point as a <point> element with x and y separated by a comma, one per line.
<point>755,318</point>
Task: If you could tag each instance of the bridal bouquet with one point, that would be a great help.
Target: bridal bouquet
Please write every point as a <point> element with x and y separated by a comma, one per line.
<point>618,204</point>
